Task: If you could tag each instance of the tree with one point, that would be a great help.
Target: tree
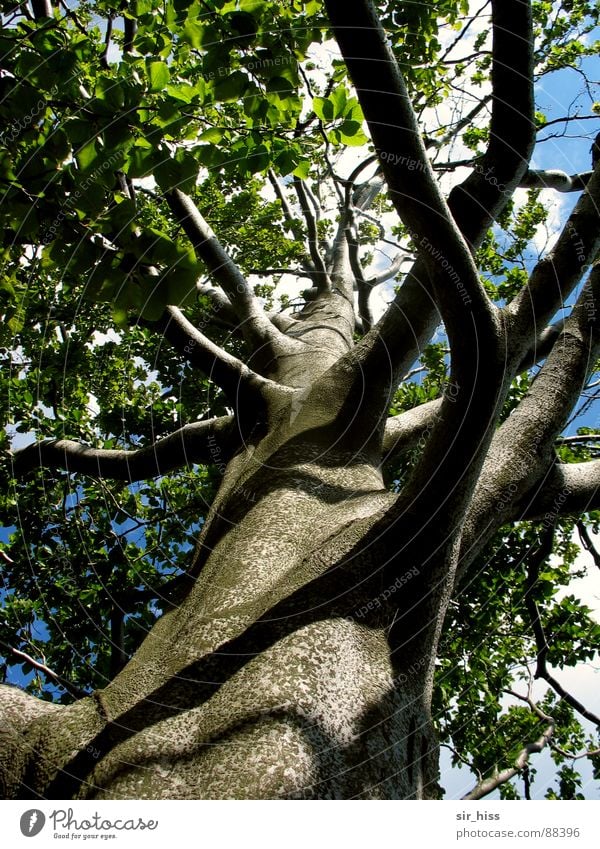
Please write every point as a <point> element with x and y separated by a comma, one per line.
<point>267,543</point>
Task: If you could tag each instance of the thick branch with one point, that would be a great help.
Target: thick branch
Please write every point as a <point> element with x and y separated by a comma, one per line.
<point>230,374</point>
<point>570,489</point>
<point>414,190</point>
<point>542,346</point>
<point>390,272</point>
<point>220,304</point>
<point>412,317</point>
<point>521,454</point>
<point>256,327</point>
<point>484,194</point>
<point>556,275</point>
<point>364,289</point>
<point>405,431</point>
<point>18,712</point>
<point>41,9</point>
<point>200,442</point>
<point>471,406</point>
<point>558,180</point>
<point>130,30</point>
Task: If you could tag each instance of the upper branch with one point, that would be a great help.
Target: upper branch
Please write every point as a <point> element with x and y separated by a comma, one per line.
<point>554,179</point>
<point>321,278</point>
<point>230,374</point>
<point>521,454</point>
<point>199,442</point>
<point>412,317</point>
<point>556,275</point>
<point>478,201</point>
<point>414,191</point>
<point>21,656</point>
<point>256,327</point>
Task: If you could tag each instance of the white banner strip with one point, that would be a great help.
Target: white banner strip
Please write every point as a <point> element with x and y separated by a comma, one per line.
<point>296,825</point>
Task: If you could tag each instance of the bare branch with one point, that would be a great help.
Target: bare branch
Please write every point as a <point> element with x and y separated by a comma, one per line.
<point>533,570</point>
<point>582,439</point>
<point>587,543</point>
<point>285,207</point>
<point>22,657</point>
<point>488,785</point>
<point>389,272</point>
<point>193,443</point>
<point>465,121</point>
<point>321,278</point>
<point>535,561</point>
<point>572,756</point>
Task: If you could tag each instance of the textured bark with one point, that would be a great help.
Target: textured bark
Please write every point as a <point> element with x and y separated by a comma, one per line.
<point>276,676</point>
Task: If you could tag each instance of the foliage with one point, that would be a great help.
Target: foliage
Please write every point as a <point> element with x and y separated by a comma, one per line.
<point>210,98</point>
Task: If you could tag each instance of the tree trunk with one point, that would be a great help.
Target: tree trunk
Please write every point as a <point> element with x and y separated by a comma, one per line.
<point>277,675</point>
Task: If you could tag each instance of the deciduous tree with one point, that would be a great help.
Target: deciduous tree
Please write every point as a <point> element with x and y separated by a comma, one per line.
<point>289,383</point>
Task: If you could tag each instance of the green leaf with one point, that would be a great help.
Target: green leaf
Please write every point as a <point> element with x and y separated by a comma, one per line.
<point>159,75</point>
<point>182,92</point>
<point>351,134</point>
<point>324,108</point>
<point>231,87</point>
<point>338,98</point>
<point>302,170</point>
<point>87,156</point>
<point>179,172</point>
<point>141,160</point>
<point>213,135</point>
